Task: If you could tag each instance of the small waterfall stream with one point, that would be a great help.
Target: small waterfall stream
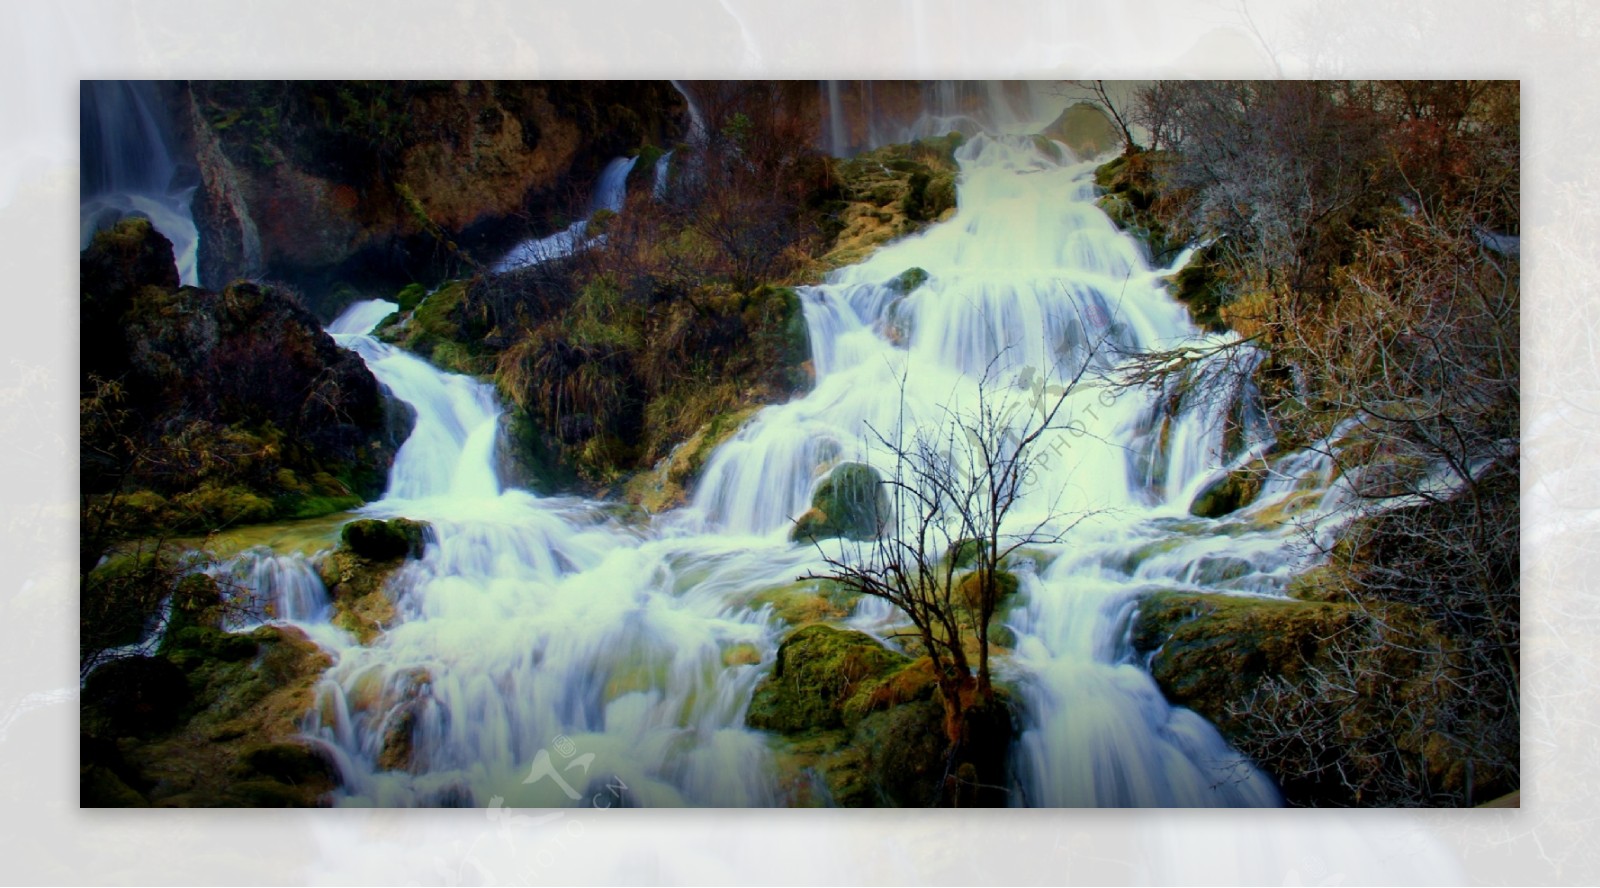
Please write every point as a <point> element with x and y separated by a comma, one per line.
<point>129,168</point>
<point>609,192</point>
<point>543,638</point>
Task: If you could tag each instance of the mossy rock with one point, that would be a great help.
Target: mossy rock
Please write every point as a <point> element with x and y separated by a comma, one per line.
<point>191,646</point>
<point>385,540</point>
<point>1085,129</point>
<point>358,586</point>
<point>235,742</point>
<point>964,553</point>
<point>807,601</point>
<point>288,762</point>
<point>969,587</point>
<point>409,297</point>
<point>120,599</point>
<point>1251,665</point>
<point>1230,493</point>
<point>908,280</point>
<point>1199,285</point>
<point>667,485</point>
<point>849,503</point>
<point>823,678</point>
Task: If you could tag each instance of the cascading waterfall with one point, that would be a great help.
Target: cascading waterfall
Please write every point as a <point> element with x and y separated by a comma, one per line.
<point>943,107</point>
<point>128,168</point>
<point>548,653</point>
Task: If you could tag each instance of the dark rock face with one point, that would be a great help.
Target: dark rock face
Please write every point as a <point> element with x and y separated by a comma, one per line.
<point>383,540</point>
<point>378,183</point>
<point>235,399</point>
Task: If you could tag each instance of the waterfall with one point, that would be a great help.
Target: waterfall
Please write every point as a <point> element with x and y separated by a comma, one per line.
<point>547,653</point>
<point>663,171</point>
<point>610,191</point>
<point>944,106</point>
<point>838,131</point>
<point>128,167</point>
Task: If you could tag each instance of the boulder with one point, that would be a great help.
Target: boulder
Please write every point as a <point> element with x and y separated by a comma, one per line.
<point>234,740</point>
<point>385,540</point>
<point>850,503</point>
<point>823,678</point>
<point>863,726</point>
<point>1230,493</point>
<point>1340,702</point>
<point>1085,129</point>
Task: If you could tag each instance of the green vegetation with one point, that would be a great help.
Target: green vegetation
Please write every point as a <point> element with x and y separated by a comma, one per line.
<point>871,723</point>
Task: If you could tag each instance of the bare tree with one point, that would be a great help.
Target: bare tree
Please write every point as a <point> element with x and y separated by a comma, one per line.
<point>1097,94</point>
<point>950,493</point>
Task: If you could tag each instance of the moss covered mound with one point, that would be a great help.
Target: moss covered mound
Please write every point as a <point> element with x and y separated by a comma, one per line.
<point>1340,702</point>
<point>850,503</point>
<point>1085,129</point>
<point>210,722</point>
<point>385,540</point>
<point>824,678</point>
<point>1133,200</point>
<point>888,193</point>
<point>807,601</point>
<point>358,570</point>
<point>864,726</point>
<point>860,718</point>
<point>1230,493</point>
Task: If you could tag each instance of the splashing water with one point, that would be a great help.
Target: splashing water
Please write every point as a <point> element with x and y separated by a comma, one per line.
<point>548,653</point>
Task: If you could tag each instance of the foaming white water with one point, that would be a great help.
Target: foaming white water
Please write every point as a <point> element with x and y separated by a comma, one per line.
<point>609,192</point>
<point>1024,286</point>
<point>535,631</point>
<point>169,213</point>
<point>547,654</point>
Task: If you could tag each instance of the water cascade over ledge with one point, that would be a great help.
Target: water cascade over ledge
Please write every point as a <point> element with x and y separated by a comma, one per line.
<point>547,651</point>
<point>129,168</point>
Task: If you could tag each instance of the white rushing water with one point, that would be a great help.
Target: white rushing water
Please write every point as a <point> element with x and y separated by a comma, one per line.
<point>548,653</point>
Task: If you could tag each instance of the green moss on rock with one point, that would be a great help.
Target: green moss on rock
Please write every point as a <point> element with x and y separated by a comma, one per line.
<point>226,733</point>
<point>1231,492</point>
<point>1336,700</point>
<point>849,503</point>
<point>1085,129</point>
<point>385,540</point>
<point>823,678</point>
<point>807,601</point>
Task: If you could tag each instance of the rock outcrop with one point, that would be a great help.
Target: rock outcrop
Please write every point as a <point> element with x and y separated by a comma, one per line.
<point>209,408</point>
<point>378,183</point>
